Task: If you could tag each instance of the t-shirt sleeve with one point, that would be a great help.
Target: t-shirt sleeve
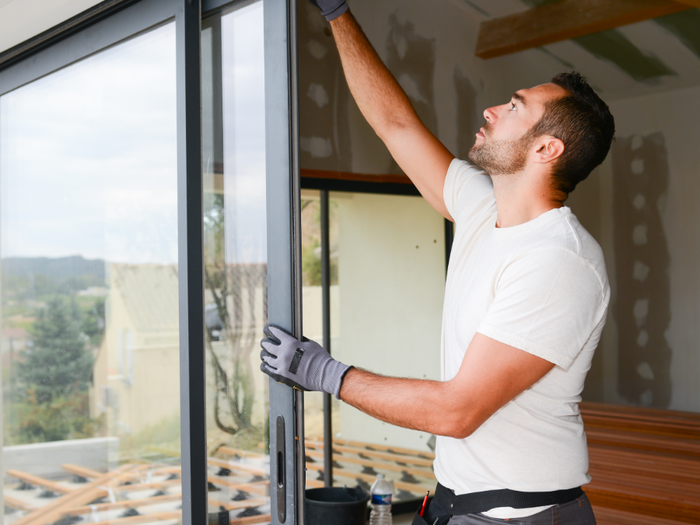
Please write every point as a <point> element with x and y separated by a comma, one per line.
<point>466,188</point>
<point>547,303</point>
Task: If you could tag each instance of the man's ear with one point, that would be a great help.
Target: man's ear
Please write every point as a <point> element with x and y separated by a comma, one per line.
<point>547,149</point>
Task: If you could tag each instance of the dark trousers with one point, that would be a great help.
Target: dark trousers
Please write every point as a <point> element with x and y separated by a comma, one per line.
<point>576,512</point>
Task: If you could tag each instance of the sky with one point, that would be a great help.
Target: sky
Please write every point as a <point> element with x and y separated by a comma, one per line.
<point>88,154</point>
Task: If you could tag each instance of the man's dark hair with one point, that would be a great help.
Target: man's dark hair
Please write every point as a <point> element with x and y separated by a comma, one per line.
<point>583,122</point>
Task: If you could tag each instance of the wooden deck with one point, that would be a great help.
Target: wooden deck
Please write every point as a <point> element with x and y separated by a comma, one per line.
<point>645,466</point>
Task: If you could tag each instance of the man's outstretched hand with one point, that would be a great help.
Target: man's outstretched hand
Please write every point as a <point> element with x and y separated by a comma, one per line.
<point>331,9</point>
<point>303,365</point>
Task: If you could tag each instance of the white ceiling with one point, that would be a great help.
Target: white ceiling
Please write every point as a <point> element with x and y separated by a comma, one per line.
<point>20,20</point>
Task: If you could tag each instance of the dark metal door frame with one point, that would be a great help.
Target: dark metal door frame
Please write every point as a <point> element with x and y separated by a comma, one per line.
<point>113,21</point>
<point>287,469</point>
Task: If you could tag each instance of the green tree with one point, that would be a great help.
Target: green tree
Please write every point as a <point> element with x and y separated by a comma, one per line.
<point>58,364</point>
<point>64,417</point>
<point>93,324</point>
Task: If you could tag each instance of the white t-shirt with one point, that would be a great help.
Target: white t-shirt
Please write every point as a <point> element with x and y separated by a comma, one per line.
<point>541,287</point>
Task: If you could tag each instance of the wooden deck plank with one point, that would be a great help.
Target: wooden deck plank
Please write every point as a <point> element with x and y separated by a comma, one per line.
<point>144,518</point>
<point>258,487</point>
<point>423,472</point>
<point>39,481</point>
<point>414,460</point>
<point>18,504</point>
<point>238,466</point>
<point>250,520</point>
<point>81,471</point>
<point>244,504</point>
<point>124,504</point>
<point>239,452</point>
<point>91,491</point>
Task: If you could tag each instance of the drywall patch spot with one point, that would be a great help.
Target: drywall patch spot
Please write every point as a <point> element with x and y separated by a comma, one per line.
<point>639,234</point>
<point>318,94</point>
<point>411,57</point>
<point>661,202</point>
<point>641,271</point>
<point>316,49</point>
<point>643,338</point>
<point>638,166</point>
<point>639,201</point>
<point>641,310</point>
<point>645,371</point>
<point>318,147</point>
<point>400,43</point>
<point>410,86</point>
<point>642,303</point>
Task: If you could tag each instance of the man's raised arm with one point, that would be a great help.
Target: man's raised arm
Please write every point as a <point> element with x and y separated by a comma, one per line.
<point>387,108</point>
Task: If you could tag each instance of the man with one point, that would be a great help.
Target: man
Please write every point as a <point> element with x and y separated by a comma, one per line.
<point>525,302</point>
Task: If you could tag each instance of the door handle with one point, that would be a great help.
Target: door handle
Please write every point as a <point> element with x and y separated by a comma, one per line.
<point>281,474</point>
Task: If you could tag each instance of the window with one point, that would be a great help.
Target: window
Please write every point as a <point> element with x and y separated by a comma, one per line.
<point>377,244</point>
<point>235,267</point>
<point>88,178</point>
<point>134,265</point>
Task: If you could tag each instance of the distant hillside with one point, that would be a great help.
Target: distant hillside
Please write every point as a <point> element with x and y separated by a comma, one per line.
<point>57,269</point>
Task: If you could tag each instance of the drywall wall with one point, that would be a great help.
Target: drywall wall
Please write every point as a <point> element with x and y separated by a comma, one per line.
<point>428,46</point>
<point>648,226</point>
<point>391,268</point>
<point>640,204</point>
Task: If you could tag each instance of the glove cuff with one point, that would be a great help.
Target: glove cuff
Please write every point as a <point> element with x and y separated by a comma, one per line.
<point>336,391</point>
<point>336,12</point>
<point>331,377</point>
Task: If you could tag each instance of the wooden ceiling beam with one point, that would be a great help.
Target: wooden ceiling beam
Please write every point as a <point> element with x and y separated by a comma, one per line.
<point>564,20</point>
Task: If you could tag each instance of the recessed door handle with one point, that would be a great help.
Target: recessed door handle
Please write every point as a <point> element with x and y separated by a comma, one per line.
<point>281,474</point>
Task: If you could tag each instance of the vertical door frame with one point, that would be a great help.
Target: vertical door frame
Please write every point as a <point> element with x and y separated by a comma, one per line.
<point>113,21</point>
<point>193,418</point>
<point>287,470</point>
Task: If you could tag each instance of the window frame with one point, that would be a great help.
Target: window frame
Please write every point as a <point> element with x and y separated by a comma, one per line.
<point>348,184</point>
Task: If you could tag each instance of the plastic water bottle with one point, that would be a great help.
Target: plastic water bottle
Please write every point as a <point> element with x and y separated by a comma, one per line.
<point>381,492</point>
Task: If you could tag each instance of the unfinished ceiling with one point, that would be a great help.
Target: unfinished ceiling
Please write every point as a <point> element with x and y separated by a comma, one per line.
<point>649,56</point>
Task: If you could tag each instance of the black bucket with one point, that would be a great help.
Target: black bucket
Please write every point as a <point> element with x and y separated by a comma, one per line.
<point>336,506</point>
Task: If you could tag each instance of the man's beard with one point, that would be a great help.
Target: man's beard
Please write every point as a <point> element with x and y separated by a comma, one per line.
<point>501,157</point>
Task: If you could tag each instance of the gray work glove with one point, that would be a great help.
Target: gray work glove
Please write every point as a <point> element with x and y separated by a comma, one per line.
<point>303,365</point>
<point>331,9</point>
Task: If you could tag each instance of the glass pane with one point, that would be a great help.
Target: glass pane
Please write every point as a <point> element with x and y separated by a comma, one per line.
<point>235,264</point>
<point>312,302</point>
<point>88,179</point>
<point>386,304</point>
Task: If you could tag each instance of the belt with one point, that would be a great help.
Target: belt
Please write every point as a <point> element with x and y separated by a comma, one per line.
<point>491,499</point>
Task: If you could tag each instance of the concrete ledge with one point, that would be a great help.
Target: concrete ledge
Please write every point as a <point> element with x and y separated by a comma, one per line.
<point>45,459</point>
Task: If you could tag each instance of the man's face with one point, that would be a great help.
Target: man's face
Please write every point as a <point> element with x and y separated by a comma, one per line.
<point>503,145</point>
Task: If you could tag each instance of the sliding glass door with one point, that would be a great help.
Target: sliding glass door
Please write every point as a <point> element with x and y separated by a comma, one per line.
<point>235,261</point>
<point>88,179</point>
<point>147,218</point>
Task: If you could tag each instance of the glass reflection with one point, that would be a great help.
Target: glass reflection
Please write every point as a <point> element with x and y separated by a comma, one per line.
<point>312,302</point>
<point>90,358</point>
<point>235,264</point>
<point>378,244</point>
